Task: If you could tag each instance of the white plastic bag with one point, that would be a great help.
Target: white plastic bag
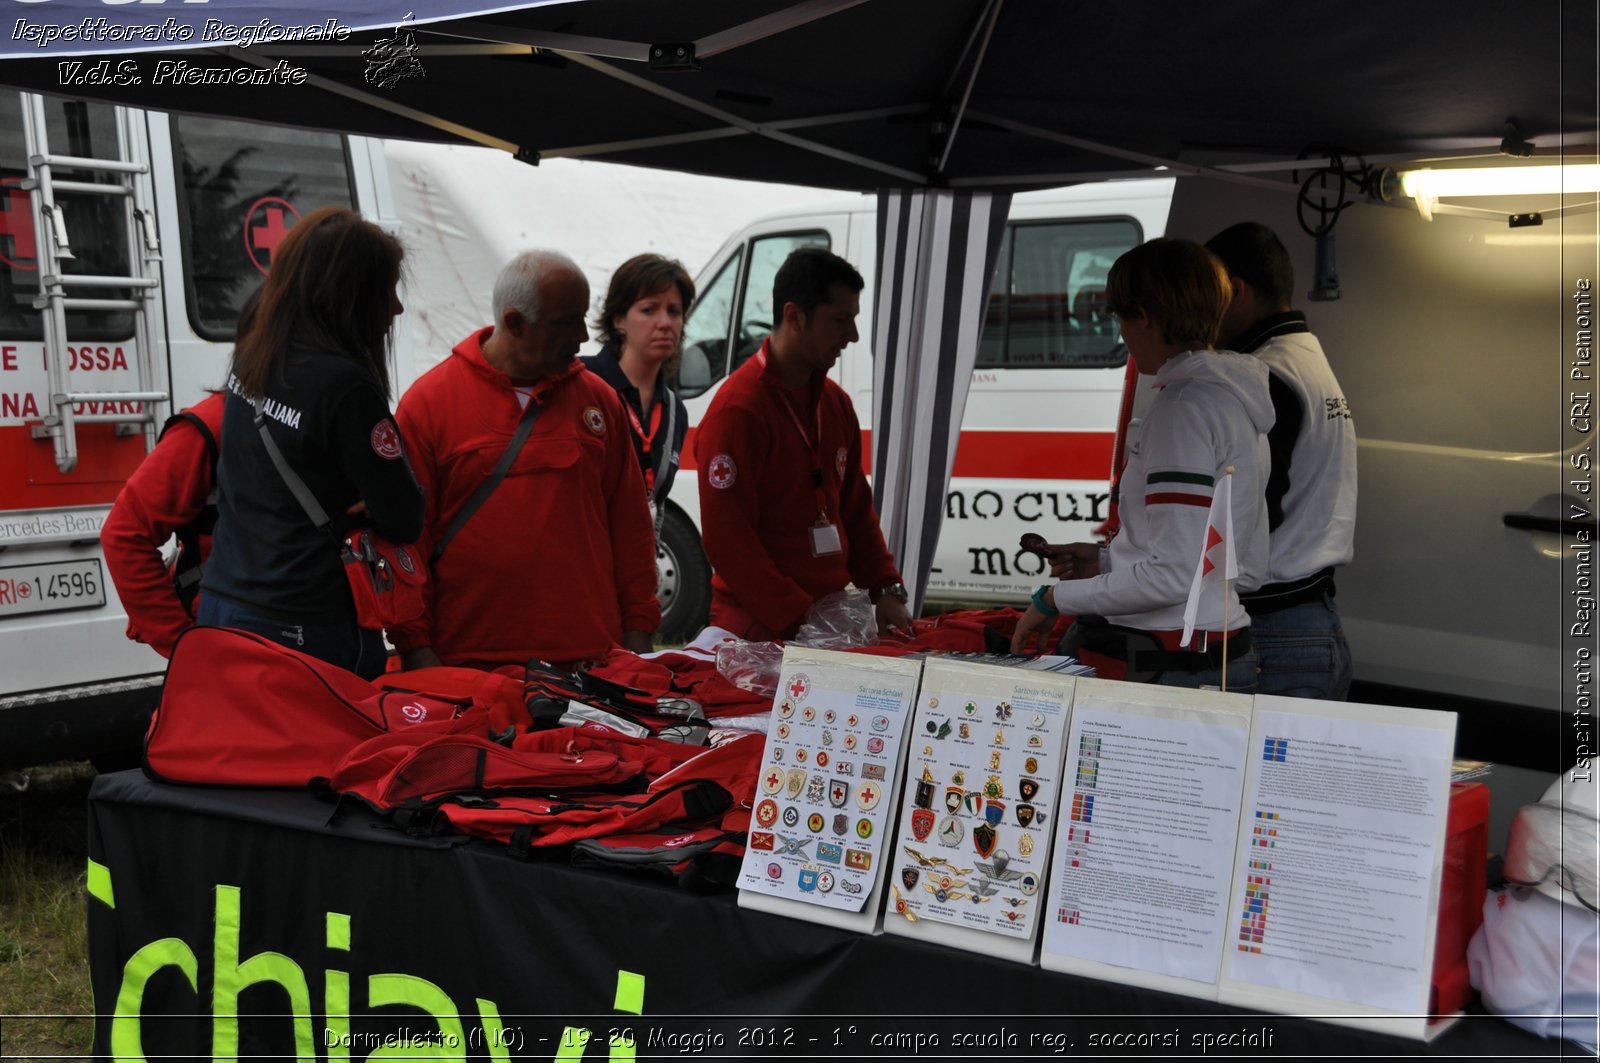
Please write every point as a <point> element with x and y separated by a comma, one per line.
<point>751,666</point>
<point>842,620</point>
<point>1536,962</point>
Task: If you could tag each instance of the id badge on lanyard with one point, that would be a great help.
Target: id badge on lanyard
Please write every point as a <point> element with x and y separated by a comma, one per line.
<point>825,538</point>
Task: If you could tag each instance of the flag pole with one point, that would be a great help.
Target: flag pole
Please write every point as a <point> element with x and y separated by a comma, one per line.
<point>1225,624</point>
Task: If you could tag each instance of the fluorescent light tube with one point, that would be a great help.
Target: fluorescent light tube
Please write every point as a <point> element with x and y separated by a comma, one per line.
<point>1500,181</point>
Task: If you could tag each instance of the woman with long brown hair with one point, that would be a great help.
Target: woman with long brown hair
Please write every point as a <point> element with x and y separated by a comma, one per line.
<point>312,369</point>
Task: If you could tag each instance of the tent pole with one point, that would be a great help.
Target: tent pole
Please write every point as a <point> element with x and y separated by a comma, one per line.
<point>580,151</point>
<point>1173,165</point>
<point>444,125</point>
<point>755,128</point>
<point>990,18</point>
<point>769,25</point>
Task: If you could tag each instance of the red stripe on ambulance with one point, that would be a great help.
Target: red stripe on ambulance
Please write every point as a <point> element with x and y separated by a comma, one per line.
<point>1003,455</point>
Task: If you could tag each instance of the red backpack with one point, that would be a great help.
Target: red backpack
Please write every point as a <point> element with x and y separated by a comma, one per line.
<point>241,710</point>
<point>558,698</point>
<point>697,853</point>
<point>418,767</point>
<point>530,822</point>
<point>552,787</point>
<point>497,692</point>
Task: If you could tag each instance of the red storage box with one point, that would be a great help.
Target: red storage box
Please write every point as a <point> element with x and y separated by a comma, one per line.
<point>1466,853</point>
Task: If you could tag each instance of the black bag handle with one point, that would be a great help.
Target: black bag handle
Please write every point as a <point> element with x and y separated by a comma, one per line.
<point>188,570</point>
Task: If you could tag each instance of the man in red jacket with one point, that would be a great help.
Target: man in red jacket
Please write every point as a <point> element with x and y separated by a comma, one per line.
<point>558,560</point>
<point>785,509</point>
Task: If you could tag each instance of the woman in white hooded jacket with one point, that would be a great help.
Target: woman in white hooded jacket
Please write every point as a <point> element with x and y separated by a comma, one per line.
<point>1208,419</point>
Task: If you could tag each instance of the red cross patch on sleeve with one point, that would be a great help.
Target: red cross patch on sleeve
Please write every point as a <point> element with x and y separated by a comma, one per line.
<point>386,440</point>
<point>722,471</point>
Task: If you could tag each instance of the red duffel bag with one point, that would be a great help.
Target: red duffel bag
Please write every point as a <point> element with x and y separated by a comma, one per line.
<point>501,695</point>
<point>416,767</point>
<point>241,710</point>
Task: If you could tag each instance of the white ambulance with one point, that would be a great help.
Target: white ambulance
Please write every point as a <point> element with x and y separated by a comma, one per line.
<point>128,240</point>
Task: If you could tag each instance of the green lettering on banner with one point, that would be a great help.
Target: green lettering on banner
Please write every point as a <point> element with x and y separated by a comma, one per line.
<point>630,999</point>
<point>338,931</point>
<point>386,989</point>
<point>630,993</point>
<point>99,884</point>
<point>230,977</point>
<point>494,1030</point>
<point>127,1042</point>
<point>336,991</point>
<point>574,1040</point>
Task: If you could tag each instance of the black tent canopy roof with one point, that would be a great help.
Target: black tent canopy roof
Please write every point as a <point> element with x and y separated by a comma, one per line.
<point>862,94</point>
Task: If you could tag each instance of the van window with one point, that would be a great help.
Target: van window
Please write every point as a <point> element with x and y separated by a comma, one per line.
<point>705,333</point>
<point>755,309</point>
<point>1047,307</point>
<point>241,187</point>
<point>711,331</point>
<point>96,225</point>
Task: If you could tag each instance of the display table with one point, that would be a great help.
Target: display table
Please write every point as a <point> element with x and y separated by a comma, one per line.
<point>210,904</point>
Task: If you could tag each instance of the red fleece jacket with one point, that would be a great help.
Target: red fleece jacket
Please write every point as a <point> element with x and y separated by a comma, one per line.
<point>560,559</point>
<point>758,505</point>
<point>168,490</point>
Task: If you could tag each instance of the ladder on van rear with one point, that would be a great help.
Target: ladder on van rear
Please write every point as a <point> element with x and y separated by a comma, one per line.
<point>61,291</point>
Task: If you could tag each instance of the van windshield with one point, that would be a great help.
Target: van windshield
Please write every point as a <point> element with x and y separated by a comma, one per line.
<point>1047,304</point>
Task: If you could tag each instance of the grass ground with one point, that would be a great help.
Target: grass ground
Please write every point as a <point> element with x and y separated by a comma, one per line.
<point>44,964</point>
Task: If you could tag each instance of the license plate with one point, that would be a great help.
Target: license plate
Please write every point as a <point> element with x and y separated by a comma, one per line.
<point>51,587</point>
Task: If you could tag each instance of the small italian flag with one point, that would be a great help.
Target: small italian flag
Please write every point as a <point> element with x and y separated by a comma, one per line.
<point>1218,562</point>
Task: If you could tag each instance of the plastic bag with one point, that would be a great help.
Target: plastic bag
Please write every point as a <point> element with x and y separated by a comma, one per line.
<point>842,620</point>
<point>751,666</point>
<point>1535,961</point>
<point>1554,844</point>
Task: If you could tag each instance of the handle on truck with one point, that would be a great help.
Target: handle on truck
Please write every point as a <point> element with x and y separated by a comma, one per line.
<point>1530,522</point>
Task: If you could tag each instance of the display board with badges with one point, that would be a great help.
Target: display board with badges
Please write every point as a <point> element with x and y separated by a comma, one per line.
<point>824,798</point>
<point>983,774</point>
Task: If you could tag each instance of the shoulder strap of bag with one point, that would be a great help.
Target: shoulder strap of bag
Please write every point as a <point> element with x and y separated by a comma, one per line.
<point>200,424</point>
<point>187,571</point>
<point>665,459</point>
<point>485,489</point>
<point>297,486</point>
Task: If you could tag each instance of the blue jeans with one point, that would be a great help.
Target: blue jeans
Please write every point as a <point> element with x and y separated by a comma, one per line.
<point>346,645</point>
<point>1303,652</point>
<point>1241,676</point>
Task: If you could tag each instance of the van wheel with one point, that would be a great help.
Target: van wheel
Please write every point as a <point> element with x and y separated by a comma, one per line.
<point>683,579</point>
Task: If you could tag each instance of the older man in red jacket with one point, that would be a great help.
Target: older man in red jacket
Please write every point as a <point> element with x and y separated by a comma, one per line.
<point>558,561</point>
